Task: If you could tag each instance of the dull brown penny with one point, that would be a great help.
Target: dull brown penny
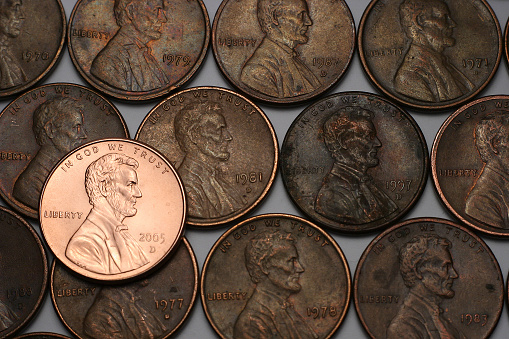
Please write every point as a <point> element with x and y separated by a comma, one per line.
<point>138,50</point>
<point>38,128</point>
<point>354,161</point>
<point>275,276</point>
<point>428,278</point>
<point>283,51</point>
<point>430,54</point>
<point>42,335</point>
<point>112,209</point>
<point>153,307</point>
<point>223,146</point>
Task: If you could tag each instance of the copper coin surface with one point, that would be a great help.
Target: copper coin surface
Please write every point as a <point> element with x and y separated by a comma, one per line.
<point>223,146</point>
<point>430,54</point>
<point>428,278</point>
<point>42,335</point>
<point>24,272</point>
<point>112,209</point>
<point>149,308</point>
<point>138,50</point>
<point>283,51</point>
<point>275,276</point>
<point>470,167</point>
<point>40,127</point>
<point>30,43</point>
<point>354,161</point>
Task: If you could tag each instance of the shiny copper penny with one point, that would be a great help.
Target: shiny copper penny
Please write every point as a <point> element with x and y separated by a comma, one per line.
<point>430,54</point>
<point>428,278</point>
<point>138,50</point>
<point>24,272</point>
<point>152,307</point>
<point>354,161</point>
<point>275,276</point>
<point>283,51</point>
<point>112,209</point>
<point>223,146</point>
<point>38,128</point>
<point>470,166</point>
<point>42,335</point>
<point>30,43</point>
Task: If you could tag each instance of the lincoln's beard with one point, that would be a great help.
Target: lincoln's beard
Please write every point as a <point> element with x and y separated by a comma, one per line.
<point>122,205</point>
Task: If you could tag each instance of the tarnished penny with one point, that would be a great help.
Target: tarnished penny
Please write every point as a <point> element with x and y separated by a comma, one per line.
<point>30,43</point>
<point>354,161</point>
<point>38,128</point>
<point>470,165</point>
<point>24,272</point>
<point>223,146</point>
<point>283,51</point>
<point>42,335</point>
<point>430,54</point>
<point>428,278</point>
<point>275,276</point>
<point>138,50</point>
<point>112,209</point>
<point>153,307</point>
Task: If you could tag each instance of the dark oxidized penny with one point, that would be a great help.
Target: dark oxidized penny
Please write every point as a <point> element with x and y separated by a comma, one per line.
<point>430,54</point>
<point>38,128</point>
<point>470,164</point>
<point>428,278</point>
<point>283,51</point>
<point>42,335</point>
<point>275,276</point>
<point>24,272</point>
<point>112,209</point>
<point>153,307</point>
<point>354,161</point>
<point>141,49</point>
<point>223,146</point>
<point>30,43</point>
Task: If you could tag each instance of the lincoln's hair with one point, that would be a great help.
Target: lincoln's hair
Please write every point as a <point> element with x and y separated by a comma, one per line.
<point>489,131</point>
<point>409,13</point>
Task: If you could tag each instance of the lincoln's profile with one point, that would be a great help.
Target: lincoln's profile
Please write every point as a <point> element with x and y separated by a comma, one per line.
<point>11,19</point>
<point>103,243</point>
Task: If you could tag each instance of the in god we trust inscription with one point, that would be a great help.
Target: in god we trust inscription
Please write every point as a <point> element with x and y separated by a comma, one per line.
<point>112,209</point>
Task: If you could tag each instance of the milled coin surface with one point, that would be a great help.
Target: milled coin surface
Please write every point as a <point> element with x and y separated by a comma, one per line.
<point>138,50</point>
<point>430,54</point>
<point>223,146</point>
<point>283,51</point>
<point>153,307</point>
<point>354,161</point>
<point>30,43</point>
<point>428,278</point>
<point>38,128</point>
<point>275,276</point>
<point>112,209</point>
<point>24,272</point>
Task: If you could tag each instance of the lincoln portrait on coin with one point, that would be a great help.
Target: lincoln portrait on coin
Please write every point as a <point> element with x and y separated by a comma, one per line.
<point>103,243</point>
<point>7,315</point>
<point>58,129</point>
<point>426,267</point>
<point>127,61</point>
<point>272,262</point>
<point>488,200</point>
<point>426,73</point>
<point>275,68</point>
<point>203,135</point>
<point>348,194</point>
<point>11,19</point>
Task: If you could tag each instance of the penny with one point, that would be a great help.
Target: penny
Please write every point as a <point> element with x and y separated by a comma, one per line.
<point>223,146</point>
<point>430,54</point>
<point>31,43</point>
<point>42,335</point>
<point>38,128</point>
<point>283,51</point>
<point>152,307</point>
<point>24,268</point>
<point>275,276</point>
<point>112,209</point>
<point>138,50</point>
<point>470,167</point>
<point>428,278</point>
<point>354,161</point>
